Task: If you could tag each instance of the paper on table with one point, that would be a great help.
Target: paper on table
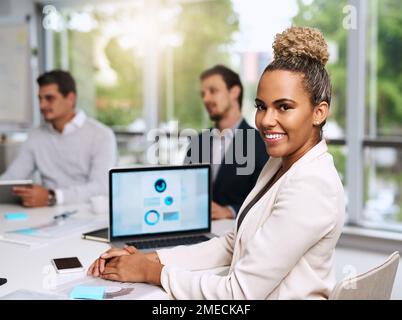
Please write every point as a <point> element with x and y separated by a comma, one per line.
<point>114,290</point>
<point>54,229</point>
<point>43,234</point>
<point>29,295</point>
<point>23,239</point>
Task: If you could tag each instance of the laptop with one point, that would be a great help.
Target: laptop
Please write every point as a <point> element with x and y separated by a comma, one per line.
<point>157,207</point>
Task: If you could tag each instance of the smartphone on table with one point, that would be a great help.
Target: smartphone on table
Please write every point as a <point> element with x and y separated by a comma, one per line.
<point>66,265</point>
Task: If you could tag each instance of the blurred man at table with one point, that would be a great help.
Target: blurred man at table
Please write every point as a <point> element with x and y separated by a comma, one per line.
<point>71,152</point>
<point>234,148</point>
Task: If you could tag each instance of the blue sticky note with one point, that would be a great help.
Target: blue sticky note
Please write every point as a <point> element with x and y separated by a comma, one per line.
<point>16,216</point>
<point>83,292</point>
<point>27,231</point>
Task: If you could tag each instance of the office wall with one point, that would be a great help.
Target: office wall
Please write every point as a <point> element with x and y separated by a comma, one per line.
<point>16,8</point>
<point>5,7</point>
<point>20,7</point>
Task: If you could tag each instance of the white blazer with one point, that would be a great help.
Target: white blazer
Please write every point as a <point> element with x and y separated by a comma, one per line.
<point>284,248</point>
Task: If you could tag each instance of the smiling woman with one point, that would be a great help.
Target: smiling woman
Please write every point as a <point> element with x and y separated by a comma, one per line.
<point>294,95</point>
<point>282,246</point>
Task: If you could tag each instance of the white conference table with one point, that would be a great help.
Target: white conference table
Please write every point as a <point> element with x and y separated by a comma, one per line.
<point>29,268</point>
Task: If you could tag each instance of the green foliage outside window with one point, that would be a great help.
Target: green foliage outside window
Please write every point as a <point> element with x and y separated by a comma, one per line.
<point>389,67</point>
<point>207,28</point>
<point>328,16</point>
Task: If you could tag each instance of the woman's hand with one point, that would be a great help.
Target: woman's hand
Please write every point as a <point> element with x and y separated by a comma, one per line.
<point>98,266</point>
<point>135,267</point>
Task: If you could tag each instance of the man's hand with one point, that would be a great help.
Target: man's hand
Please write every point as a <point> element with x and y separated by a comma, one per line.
<point>220,212</point>
<point>35,196</point>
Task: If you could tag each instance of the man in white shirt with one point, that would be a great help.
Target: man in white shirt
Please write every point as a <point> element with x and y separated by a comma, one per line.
<point>71,152</point>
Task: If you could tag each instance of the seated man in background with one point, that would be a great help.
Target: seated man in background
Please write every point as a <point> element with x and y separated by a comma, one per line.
<point>237,152</point>
<point>71,152</point>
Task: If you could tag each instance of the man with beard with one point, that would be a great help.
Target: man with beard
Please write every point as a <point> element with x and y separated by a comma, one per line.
<point>235,149</point>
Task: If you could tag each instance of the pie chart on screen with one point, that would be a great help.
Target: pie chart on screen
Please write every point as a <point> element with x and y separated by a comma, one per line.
<point>160,185</point>
<point>151,217</point>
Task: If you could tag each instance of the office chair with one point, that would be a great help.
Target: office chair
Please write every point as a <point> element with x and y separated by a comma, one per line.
<point>375,284</point>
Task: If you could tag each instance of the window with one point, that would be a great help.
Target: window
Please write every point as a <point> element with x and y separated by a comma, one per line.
<point>383,122</point>
<point>192,42</point>
<point>384,69</point>
<point>383,187</point>
<point>328,16</point>
<point>101,46</point>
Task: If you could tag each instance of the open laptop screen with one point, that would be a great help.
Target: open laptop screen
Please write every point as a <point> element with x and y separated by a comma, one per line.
<point>158,200</point>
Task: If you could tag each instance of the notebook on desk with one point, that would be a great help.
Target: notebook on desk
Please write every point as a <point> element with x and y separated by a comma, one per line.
<point>159,206</point>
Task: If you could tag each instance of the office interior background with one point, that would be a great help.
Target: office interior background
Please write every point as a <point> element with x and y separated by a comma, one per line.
<point>137,66</point>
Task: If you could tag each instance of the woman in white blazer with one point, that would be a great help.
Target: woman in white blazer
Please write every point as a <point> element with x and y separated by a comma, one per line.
<point>282,246</point>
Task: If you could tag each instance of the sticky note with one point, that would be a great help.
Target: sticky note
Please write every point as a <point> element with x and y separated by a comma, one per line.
<point>83,292</point>
<point>27,231</point>
<point>16,216</point>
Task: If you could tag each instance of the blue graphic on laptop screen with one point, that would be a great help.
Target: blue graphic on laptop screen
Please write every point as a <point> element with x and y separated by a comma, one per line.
<point>159,201</point>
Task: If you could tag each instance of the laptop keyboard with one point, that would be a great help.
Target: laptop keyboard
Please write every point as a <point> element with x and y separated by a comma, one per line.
<point>168,242</point>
